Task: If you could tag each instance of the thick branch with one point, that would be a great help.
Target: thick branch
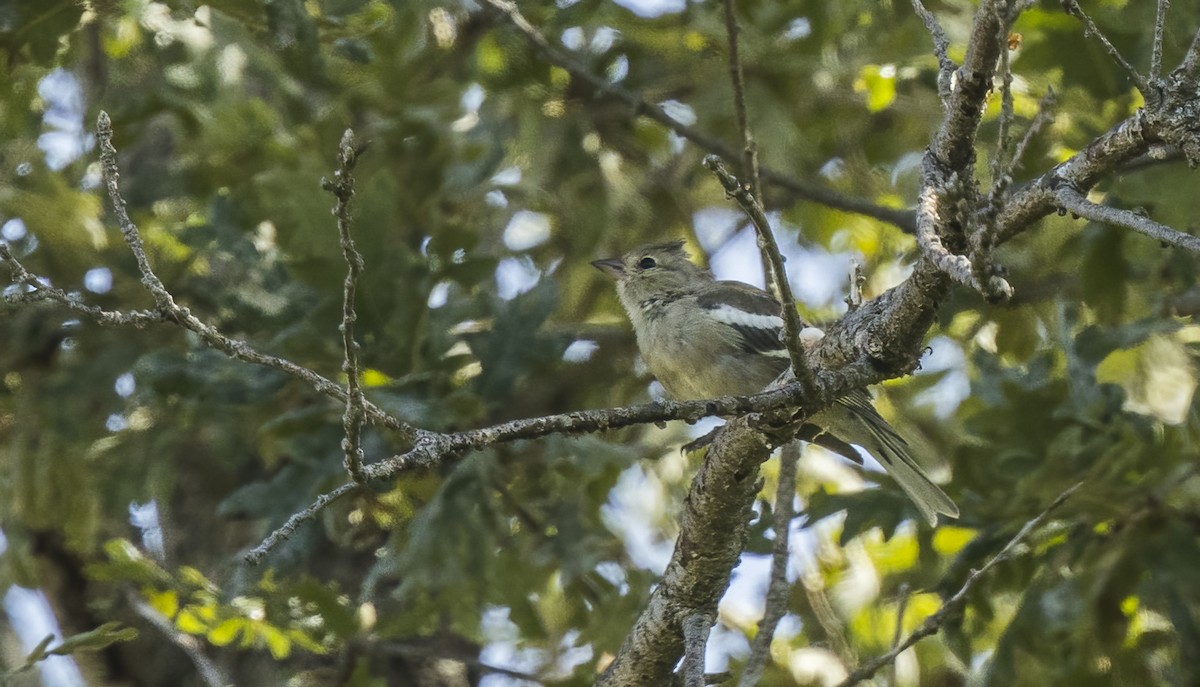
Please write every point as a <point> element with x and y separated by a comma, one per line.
<point>712,535</point>
<point>947,181</point>
<point>1076,204</point>
<point>695,639</point>
<point>954,143</point>
<point>954,604</point>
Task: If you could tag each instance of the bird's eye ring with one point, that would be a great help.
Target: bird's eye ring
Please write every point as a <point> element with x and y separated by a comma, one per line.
<point>647,263</point>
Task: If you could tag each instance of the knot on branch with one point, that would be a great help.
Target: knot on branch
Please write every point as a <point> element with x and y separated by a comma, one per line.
<point>1177,117</point>
<point>950,239</point>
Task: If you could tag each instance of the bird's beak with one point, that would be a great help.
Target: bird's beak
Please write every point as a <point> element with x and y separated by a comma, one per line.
<point>613,267</point>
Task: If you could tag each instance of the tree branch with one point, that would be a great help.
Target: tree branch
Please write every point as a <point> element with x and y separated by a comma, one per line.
<point>193,647</point>
<point>777,588</point>
<point>953,605</point>
<point>901,608</point>
<point>948,194</point>
<point>39,289</point>
<point>1044,115</point>
<point>171,311</point>
<point>342,188</point>
<point>1160,20</point>
<point>695,638</point>
<point>957,267</point>
<point>801,189</point>
<point>256,555</point>
<point>749,149</point>
<point>1072,8</point>
<point>941,49</point>
<point>777,275</point>
<point>1074,202</point>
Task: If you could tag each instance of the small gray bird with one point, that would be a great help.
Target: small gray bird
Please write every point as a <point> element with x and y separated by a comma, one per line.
<point>703,338</point>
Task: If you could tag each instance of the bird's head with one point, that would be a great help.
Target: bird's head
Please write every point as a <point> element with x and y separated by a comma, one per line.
<point>652,270</point>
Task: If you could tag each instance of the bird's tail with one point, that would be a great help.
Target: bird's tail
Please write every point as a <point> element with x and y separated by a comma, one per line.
<point>854,419</point>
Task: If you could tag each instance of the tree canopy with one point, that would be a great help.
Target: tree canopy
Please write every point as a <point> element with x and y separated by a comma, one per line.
<point>495,494</point>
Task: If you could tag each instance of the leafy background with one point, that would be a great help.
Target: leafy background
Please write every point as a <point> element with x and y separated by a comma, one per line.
<point>137,465</point>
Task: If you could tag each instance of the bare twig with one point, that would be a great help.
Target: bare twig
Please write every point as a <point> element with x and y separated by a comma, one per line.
<point>1000,159</point>
<point>205,668</point>
<point>777,588</point>
<point>952,605</point>
<point>1074,202</point>
<point>827,618</point>
<point>638,106</point>
<point>256,555</point>
<point>171,311</point>
<point>342,187</point>
<point>1072,8</point>
<point>903,606</point>
<point>777,276</point>
<point>1045,114</point>
<point>749,149</point>
<point>194,648</point>
<point>695,639</point>
<point>941,48</point>
<point>39,290</point>
<point>1160,20</point>
<point>854,298</point>
<point>1190,65</point>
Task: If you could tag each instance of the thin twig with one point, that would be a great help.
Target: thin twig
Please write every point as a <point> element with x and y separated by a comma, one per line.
<point>1000,159</point>
<point>777,588</point>
<point>1074,202</point>
<point>342,187</point>
<point>827,618</point>
<point>431,447</point>
<point>736,76</point>
<point>194,648</point>
<point>39,290</point>
<point>952,605</point>
<point>1045,114</point>
<point>695,638</point>
<point>1072,8</point>
<point>1190,65</point>
<point>777,276</point>
<point>1160,20</point>
<point>903,606</point>
<point>256,555</point>
<point>171,311</point>
<point>854,298</point>
<point>804,190</point>
<point>941,49</point>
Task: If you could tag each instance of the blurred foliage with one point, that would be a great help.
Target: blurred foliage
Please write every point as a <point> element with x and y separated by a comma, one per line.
<point>491,180</point>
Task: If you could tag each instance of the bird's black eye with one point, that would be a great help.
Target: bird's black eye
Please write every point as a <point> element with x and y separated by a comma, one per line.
<point>647,263</point>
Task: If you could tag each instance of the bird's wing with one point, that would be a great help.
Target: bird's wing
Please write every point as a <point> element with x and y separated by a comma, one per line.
<point>749,311</point>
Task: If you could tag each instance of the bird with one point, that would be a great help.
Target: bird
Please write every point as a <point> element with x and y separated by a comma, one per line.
<point>703,338</point>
